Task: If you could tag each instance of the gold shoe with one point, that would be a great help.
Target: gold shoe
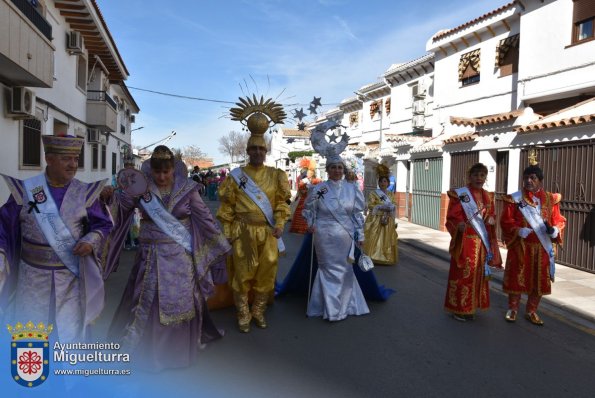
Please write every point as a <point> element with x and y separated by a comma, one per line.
<point>510,316</point>
<point>244,316</point>
<point>259,306</point>
<point>534,318</point>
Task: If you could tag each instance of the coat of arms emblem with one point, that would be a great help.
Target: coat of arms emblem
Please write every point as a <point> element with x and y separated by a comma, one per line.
<point>39,195</point>
<point>30,353</point>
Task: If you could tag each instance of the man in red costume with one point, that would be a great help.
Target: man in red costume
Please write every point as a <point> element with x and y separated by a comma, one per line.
<point>532,227</point>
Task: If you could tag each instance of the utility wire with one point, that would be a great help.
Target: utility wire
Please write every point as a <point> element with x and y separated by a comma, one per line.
<point>208,99</point>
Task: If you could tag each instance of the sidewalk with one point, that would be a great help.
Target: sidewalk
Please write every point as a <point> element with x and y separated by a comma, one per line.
<point>573,292</point>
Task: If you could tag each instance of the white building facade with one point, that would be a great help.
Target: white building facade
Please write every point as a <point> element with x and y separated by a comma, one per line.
<point>61,73</point>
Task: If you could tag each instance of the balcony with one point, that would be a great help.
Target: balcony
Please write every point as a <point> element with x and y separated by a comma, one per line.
<point>26,51</point>
<point>101,111</point>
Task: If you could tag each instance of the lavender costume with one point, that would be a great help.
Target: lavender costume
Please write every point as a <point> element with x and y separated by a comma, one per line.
<point>44,289</point>
<point>162,317</point>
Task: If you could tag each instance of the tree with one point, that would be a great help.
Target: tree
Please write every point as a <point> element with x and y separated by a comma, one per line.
<point>178,154</point>
<point>233,144</point>
<point>193,153</point>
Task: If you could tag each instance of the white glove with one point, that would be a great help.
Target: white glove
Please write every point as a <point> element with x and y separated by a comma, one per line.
<point>554,234</point>
<point>524,232</point>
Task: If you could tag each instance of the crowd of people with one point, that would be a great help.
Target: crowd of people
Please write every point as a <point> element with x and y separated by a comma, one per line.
<point>60,239</point>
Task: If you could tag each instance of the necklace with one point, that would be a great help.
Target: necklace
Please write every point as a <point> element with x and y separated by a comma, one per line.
<point>165,191</point>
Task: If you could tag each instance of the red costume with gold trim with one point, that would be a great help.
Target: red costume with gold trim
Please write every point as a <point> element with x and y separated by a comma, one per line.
<point>298,222</point>
<point>527,262</point>
<point>468,287</point>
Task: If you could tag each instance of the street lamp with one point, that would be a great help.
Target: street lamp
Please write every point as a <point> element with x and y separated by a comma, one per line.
<point>138,128</point>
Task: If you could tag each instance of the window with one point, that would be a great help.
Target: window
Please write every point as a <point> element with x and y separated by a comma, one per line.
<point>469,68</point>
<point>103,156</point>
<point>114,162</point>
<point>94,156</point>
<point>583,20</point>
<point>507,55</point>
<point>353,119</point>
<point>82,158</point>
<point>387,106</point>
<point>31,148</point>
<point>375,108</point>
<point>81,73</point>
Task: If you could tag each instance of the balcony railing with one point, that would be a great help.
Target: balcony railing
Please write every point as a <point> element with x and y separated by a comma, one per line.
<point>96,95</point>
<point>35,17</point>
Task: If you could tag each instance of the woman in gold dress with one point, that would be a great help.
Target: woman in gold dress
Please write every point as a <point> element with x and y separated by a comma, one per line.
<point>380,229</point>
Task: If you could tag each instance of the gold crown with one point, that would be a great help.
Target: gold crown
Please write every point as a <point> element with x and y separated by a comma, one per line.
<point>30,331</point>
<point>162,155</point>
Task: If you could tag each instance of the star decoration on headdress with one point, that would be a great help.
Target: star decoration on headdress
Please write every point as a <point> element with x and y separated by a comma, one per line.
<point>302,126</point>
<point>312,110</point>
<point>299,114</point>
<point>316,102</point>
<point>333,137</point>
<point>290,140</point>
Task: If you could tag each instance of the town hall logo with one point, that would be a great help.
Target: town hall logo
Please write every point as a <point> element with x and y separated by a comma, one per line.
<point>29,353</point>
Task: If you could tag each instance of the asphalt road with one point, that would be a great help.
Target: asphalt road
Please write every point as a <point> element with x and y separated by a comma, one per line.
<point>407,346</point>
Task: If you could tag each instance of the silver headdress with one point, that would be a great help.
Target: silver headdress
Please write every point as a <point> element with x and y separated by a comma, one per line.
<point>331,151</point>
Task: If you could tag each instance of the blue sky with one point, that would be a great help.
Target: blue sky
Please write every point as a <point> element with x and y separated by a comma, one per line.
<point>207,48</point>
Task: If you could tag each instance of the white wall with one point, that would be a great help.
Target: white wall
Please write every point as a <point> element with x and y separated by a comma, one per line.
<point>492,94</point>
<point>548,62</point>
<point>488,158</point>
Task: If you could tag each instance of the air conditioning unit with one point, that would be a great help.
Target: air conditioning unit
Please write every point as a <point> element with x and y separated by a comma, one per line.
<point>418,121</point>
<point>74,42</point>
<point>132,119</point>
<point>93,136</point>
<point>21,103</point>
<point>419,106</point>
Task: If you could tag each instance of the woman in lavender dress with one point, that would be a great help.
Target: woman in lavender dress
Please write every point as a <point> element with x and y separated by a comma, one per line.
<point>162,319</point>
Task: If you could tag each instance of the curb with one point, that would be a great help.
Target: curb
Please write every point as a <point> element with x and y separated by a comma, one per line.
<point>551,304</point>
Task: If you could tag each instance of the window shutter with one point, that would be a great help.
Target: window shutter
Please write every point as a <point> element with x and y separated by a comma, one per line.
<point>583,9</point>
<point>469,64</point>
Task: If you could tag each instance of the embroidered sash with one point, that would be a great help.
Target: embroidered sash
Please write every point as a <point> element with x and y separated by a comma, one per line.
<point>474,218</point>
<point>331,202</point>
<point>170,225</point>
<point>49,221</point>
<point>260,199</point>
<point>386,203</point>
<point>535,221</point>
<point>382,196</point>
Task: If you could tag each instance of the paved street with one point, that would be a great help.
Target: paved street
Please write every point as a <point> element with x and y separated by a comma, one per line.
<point>406,347</point>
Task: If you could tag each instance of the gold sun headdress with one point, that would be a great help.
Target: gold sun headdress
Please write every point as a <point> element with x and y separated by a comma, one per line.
<point>258,116</point>
<point>382,171</point>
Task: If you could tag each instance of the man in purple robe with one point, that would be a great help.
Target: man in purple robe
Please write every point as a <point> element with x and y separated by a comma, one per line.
<point>51,229</point>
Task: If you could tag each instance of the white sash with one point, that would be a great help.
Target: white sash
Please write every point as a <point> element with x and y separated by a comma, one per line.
<point>535,221</point>
<point>474,218</point>
<point>382,196</point>
<point>49,221</point>
<point>166,222</point>
<point>259,198</point>
<point>330,200</point>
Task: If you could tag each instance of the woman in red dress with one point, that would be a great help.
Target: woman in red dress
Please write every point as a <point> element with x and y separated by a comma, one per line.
<point>298,223</point>
<point>468,280</point>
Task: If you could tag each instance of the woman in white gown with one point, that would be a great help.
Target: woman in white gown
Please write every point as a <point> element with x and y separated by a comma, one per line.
<point>333,211</point>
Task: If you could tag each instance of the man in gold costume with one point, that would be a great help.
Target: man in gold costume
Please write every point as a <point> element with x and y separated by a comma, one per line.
<point>253,213</point>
